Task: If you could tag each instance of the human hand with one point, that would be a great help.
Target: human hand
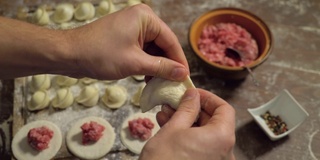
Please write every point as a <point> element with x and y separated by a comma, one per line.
<point>125,43</point>
<point>179,138</point>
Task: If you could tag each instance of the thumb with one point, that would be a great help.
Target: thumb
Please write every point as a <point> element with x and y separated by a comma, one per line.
<point>187,111</point>
<point>162,67</point>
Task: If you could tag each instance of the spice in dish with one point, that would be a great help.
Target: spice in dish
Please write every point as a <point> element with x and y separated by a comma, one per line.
<point>275,123</point>
<point>215,39</point>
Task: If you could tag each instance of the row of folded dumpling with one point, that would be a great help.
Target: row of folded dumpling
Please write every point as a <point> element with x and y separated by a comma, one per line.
<point>66,12</point>
<point>115,96</point>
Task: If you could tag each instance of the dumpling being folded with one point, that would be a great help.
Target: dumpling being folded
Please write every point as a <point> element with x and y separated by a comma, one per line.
<point>88,97</point>
<point>63,13</point>
<point>84,11</point>
<point>63,98</point>
<point>40,82</point>
<point>38,101</point>
<point>115,96</point>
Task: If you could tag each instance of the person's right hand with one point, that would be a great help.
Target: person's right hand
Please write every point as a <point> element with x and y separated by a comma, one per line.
<point>133,41</point>
<point>180,139</point>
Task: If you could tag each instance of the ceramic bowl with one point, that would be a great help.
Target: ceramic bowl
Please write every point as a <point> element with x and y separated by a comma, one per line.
<point>286,107</point>
<point>253,24</point>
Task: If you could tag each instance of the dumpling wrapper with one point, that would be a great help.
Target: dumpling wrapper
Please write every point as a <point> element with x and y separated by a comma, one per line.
<point>160,91</point>
<point>22,150</point>
<point>115,96</point>
<point>133,144</point>
<point>38,101</point>
<point>63,99</point>
<point>92,151</point>
<point>88,97</point>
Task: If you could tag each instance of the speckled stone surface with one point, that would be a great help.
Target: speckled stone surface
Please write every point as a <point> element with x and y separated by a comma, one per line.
<point>293,65</point>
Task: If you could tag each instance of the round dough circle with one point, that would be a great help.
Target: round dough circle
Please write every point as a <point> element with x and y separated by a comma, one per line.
<point>133,144</point>
<point>94,150</point>
<point>22,150</point>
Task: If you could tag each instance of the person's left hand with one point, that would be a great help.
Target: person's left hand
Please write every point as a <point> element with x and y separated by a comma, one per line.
<point>125,43</point>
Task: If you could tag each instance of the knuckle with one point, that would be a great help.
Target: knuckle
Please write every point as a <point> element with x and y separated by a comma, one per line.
<point>159,67</point>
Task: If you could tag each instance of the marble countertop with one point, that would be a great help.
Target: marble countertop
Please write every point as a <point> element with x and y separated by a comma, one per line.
<point>293,65</point>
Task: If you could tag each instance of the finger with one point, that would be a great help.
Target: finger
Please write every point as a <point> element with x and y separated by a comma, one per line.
<point>160,67</point>
<point>209,101</point>
<point>203,118</point>
<point>167,110</point>
<point>166,40</point>
<point>187,111</point>
<point>165,114</point>
<point>169,43</point>
<point>220,111</point>
<point>162,118</point>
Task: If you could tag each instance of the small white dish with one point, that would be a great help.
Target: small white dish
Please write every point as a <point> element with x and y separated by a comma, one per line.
<point>284,105</point>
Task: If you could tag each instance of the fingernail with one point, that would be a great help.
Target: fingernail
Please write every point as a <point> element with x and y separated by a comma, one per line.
<point>178,73</point>
<point>190,94</point>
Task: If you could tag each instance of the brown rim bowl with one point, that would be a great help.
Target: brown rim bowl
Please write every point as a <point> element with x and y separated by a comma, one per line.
<point>253,24</point>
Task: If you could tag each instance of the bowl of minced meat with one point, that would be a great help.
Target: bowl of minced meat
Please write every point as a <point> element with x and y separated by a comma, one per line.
<point>214,33</point>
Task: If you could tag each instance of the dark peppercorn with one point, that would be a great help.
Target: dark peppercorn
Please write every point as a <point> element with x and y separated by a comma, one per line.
<point>275,123</point>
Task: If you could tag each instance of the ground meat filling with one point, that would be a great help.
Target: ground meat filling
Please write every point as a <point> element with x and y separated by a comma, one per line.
<point>215,39</point>
<point>39,138</point>
<point>91,132</point>
<point>141,128</point>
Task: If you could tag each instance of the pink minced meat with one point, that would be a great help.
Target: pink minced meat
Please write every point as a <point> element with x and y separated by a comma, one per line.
<point>141,128</point>
<point>91,132</point>
<point>39,138</point>
<point>215,39</point>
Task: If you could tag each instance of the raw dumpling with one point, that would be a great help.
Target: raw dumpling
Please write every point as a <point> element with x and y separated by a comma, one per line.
<point>41,16</point>
<point>88,80</point>
<point>106,7</point>
<point>160,91</point>
<point>63,13</point>
<point>138,77</point>
<point>22,13</point>
<point>40,82</point>
<point>38,101</point>
<point>115,96</point>
<point>108,81</point>
<point>135,100</point>
<point>133,2</point>
<point>63,98</point>
<point>89,96</point>
<point>84,11</point>
<point>66,81</point>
